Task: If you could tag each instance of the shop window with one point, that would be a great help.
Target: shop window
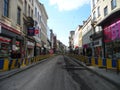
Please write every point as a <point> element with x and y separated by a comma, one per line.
<point>112,49</point>
<point>4,50</point>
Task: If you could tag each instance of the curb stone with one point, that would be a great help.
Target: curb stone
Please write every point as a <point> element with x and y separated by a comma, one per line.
<point>101,75</point>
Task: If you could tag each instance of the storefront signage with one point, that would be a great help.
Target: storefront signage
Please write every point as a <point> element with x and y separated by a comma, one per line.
<point>36,31</point>
<point>97,43</point>
<point>14,47</point>
<point>112,32</point>
<point>30,43</point>
<point>31,31</point>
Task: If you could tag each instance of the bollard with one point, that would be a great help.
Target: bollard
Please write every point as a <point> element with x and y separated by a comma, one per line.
<point>6,64</point>
<point>1,64</point>
<point>93,61</point>
<point>109,63</point>
<point>100,62</point>
<point>118,66</point>
<point>96,60</point>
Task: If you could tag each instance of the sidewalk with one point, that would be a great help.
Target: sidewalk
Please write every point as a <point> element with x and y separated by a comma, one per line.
<point>108,75</point>
<point>7,74</point>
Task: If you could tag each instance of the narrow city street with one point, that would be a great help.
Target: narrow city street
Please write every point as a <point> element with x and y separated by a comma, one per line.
<point>58,73</point>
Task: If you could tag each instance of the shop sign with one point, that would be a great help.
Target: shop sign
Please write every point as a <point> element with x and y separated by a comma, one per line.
<point>98,43</point>
<point>31,31</point>
<point>112,32</point>
<point>36,31</point>
<point>30,43</point>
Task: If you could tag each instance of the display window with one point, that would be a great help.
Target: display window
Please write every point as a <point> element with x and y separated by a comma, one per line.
<point>112,49</point>
<point>4,49</point>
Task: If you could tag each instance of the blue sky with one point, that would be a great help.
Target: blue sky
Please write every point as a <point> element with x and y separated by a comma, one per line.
<point>66,15</point>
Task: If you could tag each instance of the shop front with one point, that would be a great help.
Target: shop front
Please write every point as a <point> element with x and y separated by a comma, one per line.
<point>98,48</point>
<point>111,34</point>
<point>87,50</point>
<point>5,47</point>
<point>112,39</point>
<point>37,48</point>
<point>10,40</point>
<point>30,49</point>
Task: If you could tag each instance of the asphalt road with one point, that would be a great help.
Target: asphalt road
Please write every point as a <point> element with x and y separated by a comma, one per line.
<point>58,73</point>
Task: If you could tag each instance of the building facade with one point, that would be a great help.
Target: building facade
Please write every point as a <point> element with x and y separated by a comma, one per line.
<point>22,23</point>
<point>78,40</point>
<point>11,35</point>
<point>110,24</point>
<point>44,18</point>
<point>96,37</point>
<point>37,24</point>
<point>86,32</point>
<point>71,41</point>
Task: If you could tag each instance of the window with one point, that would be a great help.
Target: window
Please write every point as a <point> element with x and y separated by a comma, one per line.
<point>25,7</point>
<point>105,11</point>
<point>18,16</point>
<point>93,2</point>
<point>98,9</point>
<point>6,7</point>
<point>38,16</point>
<point>31,13</point>
<point>94,15</point>
<point>35,11</point>
<point>28,10</point>
<point>113,4</point>
<point>32,2</point>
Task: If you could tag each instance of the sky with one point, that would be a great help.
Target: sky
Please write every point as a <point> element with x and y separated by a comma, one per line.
<point>65,16</point>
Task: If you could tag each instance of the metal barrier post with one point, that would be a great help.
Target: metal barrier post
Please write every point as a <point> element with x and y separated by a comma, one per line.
<point>117,66</point>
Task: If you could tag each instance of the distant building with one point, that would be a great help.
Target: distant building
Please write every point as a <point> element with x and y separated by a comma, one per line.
<point>44,27</point>
<point>78,40</point>
<point>86,33</point>
<point>71,41</point>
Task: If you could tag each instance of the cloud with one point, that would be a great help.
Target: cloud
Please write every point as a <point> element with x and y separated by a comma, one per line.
<point>66,5</point>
